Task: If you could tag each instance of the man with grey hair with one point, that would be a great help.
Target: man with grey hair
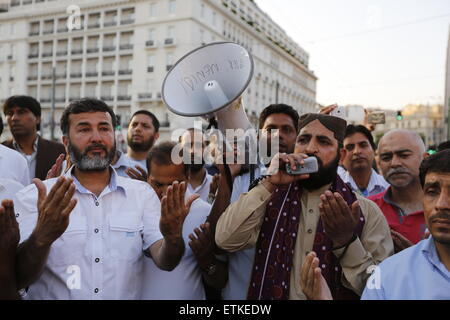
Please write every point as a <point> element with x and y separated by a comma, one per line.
<point>400,153</point>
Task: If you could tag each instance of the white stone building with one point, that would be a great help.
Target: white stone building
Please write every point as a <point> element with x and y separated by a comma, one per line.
<point>124,49</point>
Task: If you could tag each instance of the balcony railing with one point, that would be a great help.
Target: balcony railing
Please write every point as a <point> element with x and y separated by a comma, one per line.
<point>126,46</point>
<point>91,74</point>
<point>107,98</point>
<point>45,100</point>
<point>124,98</point>
<point>32,78</point>
<point>60,99</point>
<point>27,1</point>
<point>108,73</point>
<point>109,23</point>
<point>76,75</point>
<point>34,33</point>
<point>61,53</point>
<point>47,54</point>
<point>46,76</point>
<point>145,96</point>
<point>169,41</point>
<point>109,48</point>
<point>92,50</point>
<point>127,21</point>
<point>61,76</point>
<point>33,55</point>
<point>15,3</point>
<point>62,29</point>
<point>48,31</point>
<point>150,43</point>
<point>77,51</point>
<point>125,72</point>
<point>94,25</point>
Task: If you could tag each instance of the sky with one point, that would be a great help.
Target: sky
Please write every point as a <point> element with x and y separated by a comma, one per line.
<point>376,53</point>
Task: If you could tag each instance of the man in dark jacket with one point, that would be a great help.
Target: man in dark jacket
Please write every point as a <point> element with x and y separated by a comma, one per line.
<point>23,114</point>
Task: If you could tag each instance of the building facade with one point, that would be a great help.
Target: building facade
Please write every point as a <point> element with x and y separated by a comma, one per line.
<point>426,120</point>
<point>120,52</point>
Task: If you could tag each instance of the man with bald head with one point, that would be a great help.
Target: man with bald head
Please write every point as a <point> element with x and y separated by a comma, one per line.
<point>400,153</point>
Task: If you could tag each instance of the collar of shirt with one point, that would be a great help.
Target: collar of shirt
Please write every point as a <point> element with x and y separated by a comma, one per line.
<point>430,253</point>
<point>35,146</point>
<point>114,183</point>
<point>202,185</point>
<point>122,162</point>
<point>376,184</point>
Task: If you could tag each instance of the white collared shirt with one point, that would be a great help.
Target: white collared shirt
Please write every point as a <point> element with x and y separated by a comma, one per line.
<point>100,255</point>
<point>30,158</point>
<point>122,164</point>
<point>185,281</point>
<point>203,188</point>
<point>8,188</point>
<point>376,185</point>
<point>13,166</point>
<point>240,263</point>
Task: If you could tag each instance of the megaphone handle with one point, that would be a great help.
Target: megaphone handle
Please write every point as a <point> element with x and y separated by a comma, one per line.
<point>228,175</point>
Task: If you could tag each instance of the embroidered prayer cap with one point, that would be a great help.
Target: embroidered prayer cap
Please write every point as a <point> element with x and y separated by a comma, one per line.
<point>335,124</point>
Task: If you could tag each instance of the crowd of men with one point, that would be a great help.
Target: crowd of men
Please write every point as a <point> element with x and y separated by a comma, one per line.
<point>82,220</point>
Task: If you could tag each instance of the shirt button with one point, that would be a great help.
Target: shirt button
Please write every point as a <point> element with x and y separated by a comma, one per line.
<point>96,230</point>
<point>96,290</point>
<point>96,203</point>
<point>17,215</point>
<point>311,211</point>
<point>310,231</point>
<point>97,260</point>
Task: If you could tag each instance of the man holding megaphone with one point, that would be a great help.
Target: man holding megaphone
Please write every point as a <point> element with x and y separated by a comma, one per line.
<point>285,216</point>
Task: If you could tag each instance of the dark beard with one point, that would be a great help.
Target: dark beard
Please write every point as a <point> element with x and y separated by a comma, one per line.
<point>324,176</point>
<point>141,146</point>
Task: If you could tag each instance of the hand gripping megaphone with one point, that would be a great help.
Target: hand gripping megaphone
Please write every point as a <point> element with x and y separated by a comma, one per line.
<point>209,82</point>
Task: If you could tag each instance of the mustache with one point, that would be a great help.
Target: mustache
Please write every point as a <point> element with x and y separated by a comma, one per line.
<point>397,170</point>
<point>95,146</point>
<point>441,214</point>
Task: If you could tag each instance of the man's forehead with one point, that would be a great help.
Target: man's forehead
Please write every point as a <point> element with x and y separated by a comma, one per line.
<point>443,178</point>
<point>278,119</point>
<point>316,128</point>
<point>91,117</point>
<point>142,118</point>
<point>356,138</point>
<point>398,141</point>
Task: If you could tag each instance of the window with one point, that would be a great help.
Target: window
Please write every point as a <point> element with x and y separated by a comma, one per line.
<point>172,6</point>
<point>152,9</point>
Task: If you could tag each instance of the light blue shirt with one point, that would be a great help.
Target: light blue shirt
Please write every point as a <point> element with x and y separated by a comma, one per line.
<point>377,183</point>
<point>413,274</point>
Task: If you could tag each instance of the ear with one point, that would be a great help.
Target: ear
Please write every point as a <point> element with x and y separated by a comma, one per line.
<point>343,153</point>
<point>65,141</point>
<point>157,136</point>
<point>426,155</point>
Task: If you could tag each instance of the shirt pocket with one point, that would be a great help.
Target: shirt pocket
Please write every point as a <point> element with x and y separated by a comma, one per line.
<point>69,249</point>
<point>125,237</point>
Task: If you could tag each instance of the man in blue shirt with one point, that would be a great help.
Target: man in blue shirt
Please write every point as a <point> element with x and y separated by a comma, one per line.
<point>421,272</point>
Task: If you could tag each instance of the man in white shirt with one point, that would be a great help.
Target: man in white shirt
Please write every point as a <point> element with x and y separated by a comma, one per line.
<point>12,165</point>
<point>98,253</point>
<point>358,155</point>
<point>198,261</point>
<point>143,132</point>
<point>8,188</point>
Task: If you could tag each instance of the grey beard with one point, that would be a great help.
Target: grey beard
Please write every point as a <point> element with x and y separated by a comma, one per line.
<point>86,163</point>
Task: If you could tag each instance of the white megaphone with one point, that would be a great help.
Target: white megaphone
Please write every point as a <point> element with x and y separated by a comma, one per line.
<point>209,82</point>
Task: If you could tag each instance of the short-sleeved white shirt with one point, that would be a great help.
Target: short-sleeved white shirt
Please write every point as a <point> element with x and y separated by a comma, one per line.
<point>185,281</point>
<point>13,166</point>
<point>100,255</point>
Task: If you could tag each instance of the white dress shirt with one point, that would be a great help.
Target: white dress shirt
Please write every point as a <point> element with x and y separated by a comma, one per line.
<point>30,158</point>
<point>240,263</point>
<point>376,185</point>
<point>8,188</point>
<point>100,255</point>
<point>203,188</point>
<point>185,281</point>
<point>13,166</point>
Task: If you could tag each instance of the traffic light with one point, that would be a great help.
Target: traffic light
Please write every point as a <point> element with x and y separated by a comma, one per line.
<point>399,116</point>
